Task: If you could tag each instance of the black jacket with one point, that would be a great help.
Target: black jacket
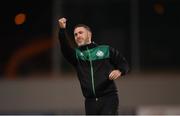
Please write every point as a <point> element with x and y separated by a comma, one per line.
<point>93,64</point>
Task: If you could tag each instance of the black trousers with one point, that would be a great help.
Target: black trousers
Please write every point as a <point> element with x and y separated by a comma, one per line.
<point>106,105</point>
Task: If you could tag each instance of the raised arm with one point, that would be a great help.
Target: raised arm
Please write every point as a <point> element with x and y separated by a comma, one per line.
<point>66,48</point>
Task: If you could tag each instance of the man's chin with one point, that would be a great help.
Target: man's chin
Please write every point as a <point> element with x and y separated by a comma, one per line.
<point>81,44</point>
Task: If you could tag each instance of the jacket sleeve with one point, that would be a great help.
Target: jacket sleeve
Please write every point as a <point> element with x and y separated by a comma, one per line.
<point>67,50</point>
<point>118,61</point>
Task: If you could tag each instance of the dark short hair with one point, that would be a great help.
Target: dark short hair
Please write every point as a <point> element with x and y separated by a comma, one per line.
<point>83,25</point>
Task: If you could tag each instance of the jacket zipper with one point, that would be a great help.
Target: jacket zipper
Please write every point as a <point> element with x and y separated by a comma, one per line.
<point>92,74</point>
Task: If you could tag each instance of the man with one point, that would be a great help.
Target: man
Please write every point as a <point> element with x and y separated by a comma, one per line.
<point>97,66</point>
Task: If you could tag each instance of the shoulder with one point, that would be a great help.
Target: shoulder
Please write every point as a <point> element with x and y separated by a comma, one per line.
<point>102,45</point>
<point>106,46</point>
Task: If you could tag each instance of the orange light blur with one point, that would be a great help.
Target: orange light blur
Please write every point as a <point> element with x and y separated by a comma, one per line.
<point>20,18</point>
<point>159,8</point>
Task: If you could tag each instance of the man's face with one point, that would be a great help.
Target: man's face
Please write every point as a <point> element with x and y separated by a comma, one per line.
<point>82,36</point>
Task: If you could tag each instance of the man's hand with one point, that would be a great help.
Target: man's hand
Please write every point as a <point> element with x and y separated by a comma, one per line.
<point>62,23</point>
<point>114,74</point>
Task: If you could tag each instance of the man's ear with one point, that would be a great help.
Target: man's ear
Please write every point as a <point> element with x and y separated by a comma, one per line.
<point>89,34</point>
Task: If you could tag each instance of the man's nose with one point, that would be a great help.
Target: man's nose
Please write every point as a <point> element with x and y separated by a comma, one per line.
<point>78,35</point>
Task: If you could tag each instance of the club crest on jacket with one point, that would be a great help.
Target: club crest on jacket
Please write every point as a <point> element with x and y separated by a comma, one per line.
<point>99,53</point>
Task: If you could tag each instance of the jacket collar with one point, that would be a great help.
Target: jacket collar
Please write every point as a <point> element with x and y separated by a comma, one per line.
<point>89,46</point>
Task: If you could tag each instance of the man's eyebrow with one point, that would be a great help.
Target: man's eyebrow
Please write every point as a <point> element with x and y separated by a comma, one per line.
<point>78,32</point>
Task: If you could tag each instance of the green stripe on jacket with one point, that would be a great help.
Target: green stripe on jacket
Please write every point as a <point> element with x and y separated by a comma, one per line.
<point>97,53</point>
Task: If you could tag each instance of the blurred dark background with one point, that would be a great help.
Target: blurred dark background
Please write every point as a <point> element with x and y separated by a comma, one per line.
<point>146,32</point>
<point>154,47</point>
<point>23,24</point>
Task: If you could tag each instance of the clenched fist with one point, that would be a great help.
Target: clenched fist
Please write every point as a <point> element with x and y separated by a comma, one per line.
<point>62,22</point>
